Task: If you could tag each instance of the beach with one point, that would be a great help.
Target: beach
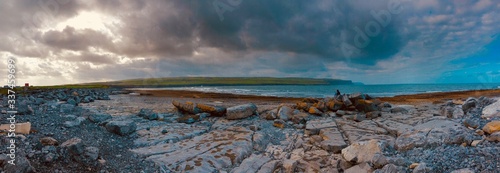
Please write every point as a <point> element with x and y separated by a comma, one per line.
<point>116,130</point>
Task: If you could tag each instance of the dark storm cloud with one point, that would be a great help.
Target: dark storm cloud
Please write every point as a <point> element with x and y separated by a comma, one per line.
<point>76,40</point>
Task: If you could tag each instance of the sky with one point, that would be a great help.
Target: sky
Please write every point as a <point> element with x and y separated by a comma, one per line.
<point>374,42</point>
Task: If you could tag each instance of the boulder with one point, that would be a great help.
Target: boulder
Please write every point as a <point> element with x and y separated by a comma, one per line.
<point>241,111</point>
<point>363,167</point>
<point>289,165</point>
<point>188,107</point>
<point>390,168</point>
<point>303,106</point>
<point>432,133</point>
<point>121,127</point>
<point>189,119</point>
<point>22,165</point>
<point>492,127</point>
<point>320,105</point>
<point>346,101</point>
<point>471,123</point>
<point>315,111</point>
<point>145,112</point>
<point>469,104</point>
<point>76,122</point>
<point>365,106</point>
<point>98,117</point>
<point>74,146</point>
<point>379,160</point>
<point>362,151</point>
<point>334,105</point>
<point>285,113</point>
<point>270,115</point>
<point>422,168</point>
<point>492,110</point>
<point>300,118</point>
<point>24,107</point>
<point>212,110</point>
<point>464,170</point>
<point>72,101</point>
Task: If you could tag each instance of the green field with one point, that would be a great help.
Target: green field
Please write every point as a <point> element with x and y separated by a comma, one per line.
<point>193,81</point>
<point>214,81</point>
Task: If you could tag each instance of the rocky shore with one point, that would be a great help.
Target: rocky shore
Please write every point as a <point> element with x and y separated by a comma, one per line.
<point>113,130</point>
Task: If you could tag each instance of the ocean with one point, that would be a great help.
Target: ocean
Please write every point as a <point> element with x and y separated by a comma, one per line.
<point>329,90</point>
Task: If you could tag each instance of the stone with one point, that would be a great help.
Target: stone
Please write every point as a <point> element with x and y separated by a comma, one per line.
<point>362,151</point>
<point>469,104</point>
<point>432,133</point>
<point>373,114</point>
<point>341,113</point>
<point>285,113</point>
<point>464,170</point>
<point>363,167</point>
<point>313,127</point>
<point>289,165</point>
<point>67,108</point>
<point>359,117</point>
<point>413,165</point>
<point>471,123</point>
<point>122,128</point>
<point>399,110</point>
<point>188,107</point>
<point>300,118</point>
<point>332,140</point>
<point>269,167</point>
<point>217,111</point>
<point>346,101</point>
<point>494,137</point>
<point>251,164</point>
<point>99,117</point>
<point>241,111</point>
<point>74,146</point>
<point>475,143</point>
<point>254,127</point>
<point>334,105</point>
<point>90,154</point>
<point>152,116</point>
<point>279,123</point>
<point>390,168</point>
<point>144,112</point>
<point>314,111</point>
<point>492,110</point>
<point>422,168</point>
<point>208,152</point>
<point>21,128</point>
<point>303,106</point>
<point>320,105</point>
<point>379,161</point>
<point>365,105</point>
<point>492,127</point>
<point>189,119</point>
<point>479,132</point>
<point>76,122</point>
<point>48,141</point>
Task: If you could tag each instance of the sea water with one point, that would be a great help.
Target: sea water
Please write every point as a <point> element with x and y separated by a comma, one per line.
<point>329,90</point>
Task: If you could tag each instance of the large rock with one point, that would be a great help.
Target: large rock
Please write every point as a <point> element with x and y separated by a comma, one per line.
<point>188,107</point>
<point>241,111</point>
<point>208,152</point>
<point>363,167</point>
<point>121,127</point>
<point>469,104</point>
<point>492,127</point>
<point>212,110</point>
<point>22,165</point>
<point>366,105</point>
<point>285,113</point>
<point>251,164</point>
<point>399,110</point>
<point>492,110</point>
<point>362,151</point>
<point>99,117</point>
<point>48,141</point>
<point>74,146</point>
<point>313,127</point>
<point>334,105</point>
<point>315,111</point>
<point>332,140</point>
<point>432,133</point>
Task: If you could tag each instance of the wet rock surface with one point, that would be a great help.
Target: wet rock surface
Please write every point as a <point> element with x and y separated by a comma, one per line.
<point>112,131</point>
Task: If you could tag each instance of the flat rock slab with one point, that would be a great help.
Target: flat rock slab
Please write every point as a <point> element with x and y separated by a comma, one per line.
<point>314,126</point>
<point>355,134</point>
<point>432,133</point>
<point>318,161</point>
<point>364,125</point>
<point>252,164</point>
<point>174,132</point>
<point>332,140</point>
<point>206,153</point>
<point>393,127</point>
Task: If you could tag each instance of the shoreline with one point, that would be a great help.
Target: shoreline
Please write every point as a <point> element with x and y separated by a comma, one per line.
<point>437,97</point>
